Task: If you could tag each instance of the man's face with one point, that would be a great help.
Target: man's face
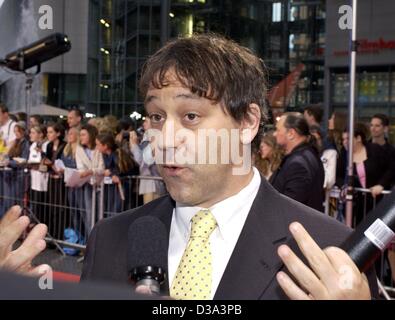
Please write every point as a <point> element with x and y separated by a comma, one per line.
<point>174,109</point>
<point>345,140</point>
<point>102,148</point>
<point>377,130</point>
<point>72,119</point>
<point>309,118</point>
<point>3,117</point>
<point>281,132</point>
<point>33,122</point>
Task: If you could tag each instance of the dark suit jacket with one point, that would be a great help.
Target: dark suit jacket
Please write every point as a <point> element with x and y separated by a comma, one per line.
<point>18,287</point>
<point>251,270</point>
<point>301,177</point>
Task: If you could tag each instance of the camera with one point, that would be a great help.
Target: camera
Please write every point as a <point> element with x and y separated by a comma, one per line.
<point>126,135</point>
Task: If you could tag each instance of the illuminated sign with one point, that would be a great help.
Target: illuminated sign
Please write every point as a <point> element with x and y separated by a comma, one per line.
<point>370,47</point>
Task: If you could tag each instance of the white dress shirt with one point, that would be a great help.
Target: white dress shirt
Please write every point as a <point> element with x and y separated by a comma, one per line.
<point>230,215</point>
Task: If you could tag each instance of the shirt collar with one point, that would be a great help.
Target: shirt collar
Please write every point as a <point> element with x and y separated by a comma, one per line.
<point>233,206</point>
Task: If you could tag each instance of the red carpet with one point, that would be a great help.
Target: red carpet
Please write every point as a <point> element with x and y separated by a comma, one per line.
<point>65,277</point>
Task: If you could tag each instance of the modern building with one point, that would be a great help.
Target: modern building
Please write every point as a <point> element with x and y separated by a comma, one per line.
<point>112,39</point>
<point>63,81</point>
<point>283,33</point>
<point>375,59</point>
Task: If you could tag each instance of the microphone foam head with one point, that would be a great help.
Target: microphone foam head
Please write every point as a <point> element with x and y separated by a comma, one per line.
<point>147,243</point>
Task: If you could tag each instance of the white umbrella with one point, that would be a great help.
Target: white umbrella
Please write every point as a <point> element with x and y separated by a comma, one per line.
<point>45,110</point>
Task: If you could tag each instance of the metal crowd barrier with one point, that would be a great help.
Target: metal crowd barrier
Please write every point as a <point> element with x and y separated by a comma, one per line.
<point>69,213</point>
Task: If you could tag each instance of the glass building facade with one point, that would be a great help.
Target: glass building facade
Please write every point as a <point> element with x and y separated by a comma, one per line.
<point>123,33</point>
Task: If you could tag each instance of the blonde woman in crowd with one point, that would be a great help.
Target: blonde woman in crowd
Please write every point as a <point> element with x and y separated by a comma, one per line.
<point>269,155</point>
<point>75,195</point>
<point>90,164</point>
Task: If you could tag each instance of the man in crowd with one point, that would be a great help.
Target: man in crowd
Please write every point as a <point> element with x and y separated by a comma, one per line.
<point>301,173</point>
<point>7,126</point>
<point>313,115</point>
<point>230,236</point>
<point>379,125</point>
<point>74,118</point>
<point>35,120</point>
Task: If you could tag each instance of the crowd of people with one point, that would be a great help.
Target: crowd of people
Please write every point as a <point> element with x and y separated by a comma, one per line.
<point>304,162</point>
<point>226,236</point>
<point>101,149</point>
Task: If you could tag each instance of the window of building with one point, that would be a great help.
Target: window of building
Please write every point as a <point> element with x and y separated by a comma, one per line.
<point>276,13</point>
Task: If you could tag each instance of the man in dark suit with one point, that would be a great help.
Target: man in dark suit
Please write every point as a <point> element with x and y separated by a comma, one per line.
<point>300,175</point>
<point>230,234</point>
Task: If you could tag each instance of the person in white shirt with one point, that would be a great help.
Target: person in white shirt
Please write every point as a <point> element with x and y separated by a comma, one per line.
<point>150,189</point>
<point>90,164</point>
<point>7,127</point>
<point>39,178</point>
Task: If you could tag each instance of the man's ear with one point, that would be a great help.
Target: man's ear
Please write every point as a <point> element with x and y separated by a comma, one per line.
<point>250,124</point>
<point>291,133</point>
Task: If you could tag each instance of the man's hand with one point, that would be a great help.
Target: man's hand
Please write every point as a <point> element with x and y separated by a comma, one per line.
<point>376,190</point>
<point>133,139</point>
<point>116,180</point>
<point>12,226</point>
<point>332,274</point>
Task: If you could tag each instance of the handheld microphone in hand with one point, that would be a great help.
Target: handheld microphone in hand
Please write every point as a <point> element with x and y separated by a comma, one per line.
<point>373,234</point>
<point>147,254</point>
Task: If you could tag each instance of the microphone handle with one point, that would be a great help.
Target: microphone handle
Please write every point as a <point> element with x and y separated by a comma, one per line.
<point>148,286</point>
<point>373,235</point>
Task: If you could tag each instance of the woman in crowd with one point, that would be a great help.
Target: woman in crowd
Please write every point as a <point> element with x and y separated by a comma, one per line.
<point>90,164</point>
<point>56,195</point>
<point>371,171</point>
<point>15,182</point>
<point>39,176</point>
<point>69,152</point>
<point>269,155</point>
<point>55,135</point>
<point>122,134</point>
<point>21,146</point>
<point>75,194</point>
<point>328,154</point>
<point>118,165</point>
<point>336,125</point>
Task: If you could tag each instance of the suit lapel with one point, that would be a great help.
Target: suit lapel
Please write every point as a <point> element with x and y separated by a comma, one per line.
<point>254,261</point>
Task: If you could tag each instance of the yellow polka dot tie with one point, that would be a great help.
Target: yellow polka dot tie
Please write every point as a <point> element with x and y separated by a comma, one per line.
<point>193,277</point>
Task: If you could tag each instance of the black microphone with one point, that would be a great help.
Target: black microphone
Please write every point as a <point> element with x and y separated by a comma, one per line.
<point>373,234</point>
<point>38,52</point>
<point>147,254</point>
